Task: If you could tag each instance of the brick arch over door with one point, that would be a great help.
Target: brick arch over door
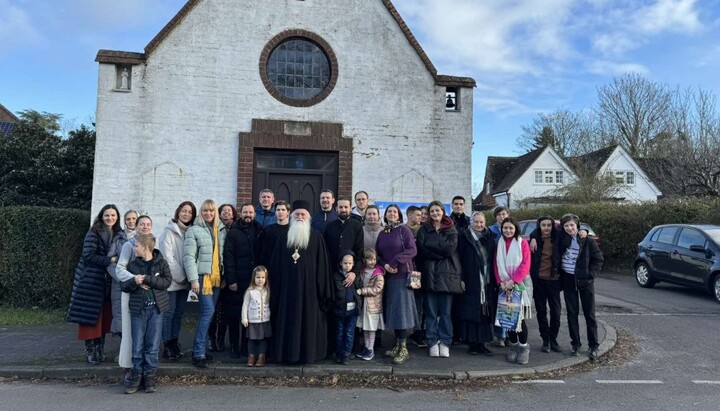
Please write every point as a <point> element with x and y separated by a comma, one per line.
<point>292,135</point>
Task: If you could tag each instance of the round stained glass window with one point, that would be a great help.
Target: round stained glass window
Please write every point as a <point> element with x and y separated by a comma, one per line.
<point>299,69</point>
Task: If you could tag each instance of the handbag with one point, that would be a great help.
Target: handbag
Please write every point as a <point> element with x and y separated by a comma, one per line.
<point>509,306</point>
<point>413,276</point>
<point>413,279</point>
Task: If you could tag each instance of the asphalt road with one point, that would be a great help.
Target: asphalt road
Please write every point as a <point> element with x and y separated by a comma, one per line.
<point>676,368</point>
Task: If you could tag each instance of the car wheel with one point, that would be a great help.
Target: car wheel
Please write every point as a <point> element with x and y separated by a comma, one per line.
<point>716,287</point>
<point>643,276</point>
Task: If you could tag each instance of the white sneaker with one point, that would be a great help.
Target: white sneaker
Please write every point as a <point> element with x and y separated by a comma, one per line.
<point>444,350</point>
<point>435,350</point>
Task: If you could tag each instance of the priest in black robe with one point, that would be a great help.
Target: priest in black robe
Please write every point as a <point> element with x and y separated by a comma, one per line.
<point>300,291</point>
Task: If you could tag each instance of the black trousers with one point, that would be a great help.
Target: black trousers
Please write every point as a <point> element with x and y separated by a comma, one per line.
<point>546,293</point>
<point>574,297</point>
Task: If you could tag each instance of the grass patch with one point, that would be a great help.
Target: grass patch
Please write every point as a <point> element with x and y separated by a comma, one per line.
<point>31,316</point>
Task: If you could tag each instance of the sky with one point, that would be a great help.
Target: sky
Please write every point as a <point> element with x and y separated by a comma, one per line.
<point>527,56</point>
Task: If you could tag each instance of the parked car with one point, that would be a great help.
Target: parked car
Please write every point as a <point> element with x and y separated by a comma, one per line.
<point>681,254</point>
<point>527,226</point>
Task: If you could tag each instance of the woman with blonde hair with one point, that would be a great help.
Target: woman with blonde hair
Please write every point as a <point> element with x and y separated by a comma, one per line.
<point>202,259</point>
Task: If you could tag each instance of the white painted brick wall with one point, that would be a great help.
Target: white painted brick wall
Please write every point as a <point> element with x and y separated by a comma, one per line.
<point>175,136</point>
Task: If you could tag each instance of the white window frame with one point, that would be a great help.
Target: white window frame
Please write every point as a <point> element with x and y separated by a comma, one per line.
<point>548,177</point>
<point>623,177</point>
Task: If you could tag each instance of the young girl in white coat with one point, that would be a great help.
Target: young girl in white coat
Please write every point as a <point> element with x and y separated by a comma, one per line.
<point>256,316</point>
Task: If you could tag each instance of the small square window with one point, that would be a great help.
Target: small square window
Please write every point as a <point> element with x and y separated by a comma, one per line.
<point>538,177</point>
<point>558,177</point>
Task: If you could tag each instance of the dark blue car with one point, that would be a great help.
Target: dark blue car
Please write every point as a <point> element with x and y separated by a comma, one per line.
<point>681,254</point>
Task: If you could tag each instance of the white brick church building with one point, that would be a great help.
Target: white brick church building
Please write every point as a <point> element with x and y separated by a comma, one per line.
<point>233,96</point>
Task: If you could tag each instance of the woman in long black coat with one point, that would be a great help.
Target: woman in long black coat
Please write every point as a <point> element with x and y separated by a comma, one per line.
<point>90,305</point>
<point>477,306</point>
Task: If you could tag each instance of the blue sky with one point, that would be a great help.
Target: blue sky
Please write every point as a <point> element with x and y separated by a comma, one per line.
<point>528,56</point>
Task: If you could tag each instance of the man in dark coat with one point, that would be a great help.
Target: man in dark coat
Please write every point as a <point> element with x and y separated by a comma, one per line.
<point>301,291</point>
<point>345,233</point>
<point>458,215</point>
<point>327,213</point>
<point>240,257</point>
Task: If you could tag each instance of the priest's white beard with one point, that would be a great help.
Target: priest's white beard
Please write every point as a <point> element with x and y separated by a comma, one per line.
<point>299,234</point>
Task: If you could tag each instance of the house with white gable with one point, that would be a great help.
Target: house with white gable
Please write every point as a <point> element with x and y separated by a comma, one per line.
<point>536,178</point>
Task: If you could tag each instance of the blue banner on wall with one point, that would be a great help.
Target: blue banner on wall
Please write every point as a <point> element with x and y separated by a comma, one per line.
<point>382,205</point>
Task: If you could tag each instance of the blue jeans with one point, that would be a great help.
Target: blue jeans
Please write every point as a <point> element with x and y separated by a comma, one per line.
<point>207,309</point>
<point>345,333</point>
<point>173,316</point>
<point>146,333</point>
<point>438,325</point>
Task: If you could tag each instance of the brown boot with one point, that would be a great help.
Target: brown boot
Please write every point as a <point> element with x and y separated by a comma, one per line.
<point>251,360</point>
<point>261,361</point>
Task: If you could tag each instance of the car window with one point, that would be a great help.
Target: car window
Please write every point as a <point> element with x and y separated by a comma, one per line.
<point>526,228</point>
<point>655,235</point>
<point>690,236</point>
<point>587,228</point>
<point>666,235</point>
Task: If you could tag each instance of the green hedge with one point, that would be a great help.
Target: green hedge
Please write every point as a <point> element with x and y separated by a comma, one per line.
<point>622,226</point>
<point>39,248</point>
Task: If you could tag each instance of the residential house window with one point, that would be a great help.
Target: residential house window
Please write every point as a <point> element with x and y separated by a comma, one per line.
<point>549,177</point>
<point>626,178</point>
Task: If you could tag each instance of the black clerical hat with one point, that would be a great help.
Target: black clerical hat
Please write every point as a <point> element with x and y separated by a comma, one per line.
<point>300,204</point>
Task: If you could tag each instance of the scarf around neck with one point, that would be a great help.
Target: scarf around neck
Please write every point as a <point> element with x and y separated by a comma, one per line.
<point>508,261</point>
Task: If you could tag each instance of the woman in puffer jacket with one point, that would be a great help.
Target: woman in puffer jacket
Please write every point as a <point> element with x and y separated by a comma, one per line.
<point>90,302</point>
<point>202,259</point>
<point>170,245</point>
<point>437,241</point>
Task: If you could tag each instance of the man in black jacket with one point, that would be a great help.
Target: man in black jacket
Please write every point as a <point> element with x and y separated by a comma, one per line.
<point>345,233</point>
<point>240,256</point>
<point>578,261</point>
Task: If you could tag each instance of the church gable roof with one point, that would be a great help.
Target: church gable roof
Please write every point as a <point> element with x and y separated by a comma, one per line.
<point>122,57</point>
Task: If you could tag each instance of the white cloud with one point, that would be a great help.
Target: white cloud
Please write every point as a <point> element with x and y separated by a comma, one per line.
<point>605,68</point>
<point>16,29</point>
<point>669,15</point>
<point>491,36</point>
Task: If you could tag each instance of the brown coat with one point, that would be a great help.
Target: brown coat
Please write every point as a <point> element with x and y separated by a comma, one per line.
<point>373,291</point>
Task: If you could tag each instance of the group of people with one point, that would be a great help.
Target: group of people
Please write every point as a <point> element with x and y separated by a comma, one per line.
<point>297,288</point>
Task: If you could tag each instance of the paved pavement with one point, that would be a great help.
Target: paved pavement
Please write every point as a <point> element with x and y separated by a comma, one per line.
<point>54,352</point>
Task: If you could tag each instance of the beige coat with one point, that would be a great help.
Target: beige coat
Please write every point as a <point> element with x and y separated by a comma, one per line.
<point>372,291</point>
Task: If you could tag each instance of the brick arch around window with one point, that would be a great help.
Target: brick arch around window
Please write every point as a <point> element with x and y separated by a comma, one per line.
<point>293,135</point>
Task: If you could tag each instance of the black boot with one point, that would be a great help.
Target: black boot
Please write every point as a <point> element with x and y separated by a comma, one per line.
<point>100,348</point>
<point>150,381</point>
<point>91,352</point>
<point>133,383</point>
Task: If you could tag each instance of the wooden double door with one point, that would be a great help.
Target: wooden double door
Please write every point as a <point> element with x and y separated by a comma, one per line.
<point>295,175</point>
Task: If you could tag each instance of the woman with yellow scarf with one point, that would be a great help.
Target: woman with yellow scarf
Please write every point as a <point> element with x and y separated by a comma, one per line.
<point>203,248</point>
